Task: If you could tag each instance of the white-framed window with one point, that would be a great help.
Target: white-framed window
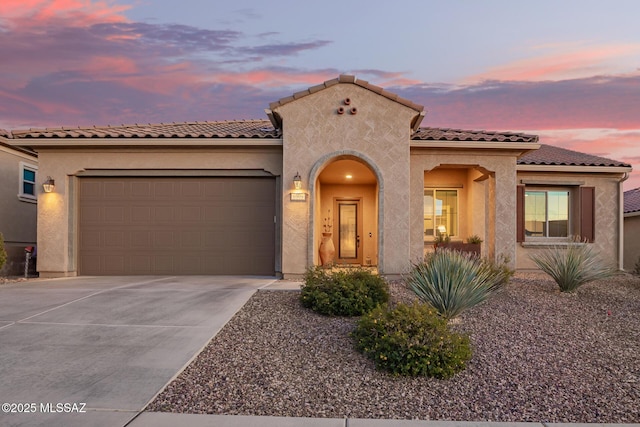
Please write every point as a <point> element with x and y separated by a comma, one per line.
<point>27,182</point>
<point>440,213</point>
<point>547,212</point>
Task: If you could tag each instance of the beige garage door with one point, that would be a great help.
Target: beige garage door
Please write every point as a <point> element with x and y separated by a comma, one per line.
<point>177,225</point>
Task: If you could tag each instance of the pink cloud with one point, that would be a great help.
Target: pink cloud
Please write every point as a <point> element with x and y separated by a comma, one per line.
<point>614,144</point>
<point>564,62</point>
<point>34,12</point>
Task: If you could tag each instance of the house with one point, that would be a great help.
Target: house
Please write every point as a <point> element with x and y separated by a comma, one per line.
<point>631,229</point>
<point>18,208</point>
<point>344,161</point>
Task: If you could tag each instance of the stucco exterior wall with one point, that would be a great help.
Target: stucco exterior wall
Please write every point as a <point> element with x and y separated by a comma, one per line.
<point>498,193</point>
<point>56,210</point>
<point>17,217</point>
<point>314,134</point>
<point>607,212</point>
<point>631,241</point>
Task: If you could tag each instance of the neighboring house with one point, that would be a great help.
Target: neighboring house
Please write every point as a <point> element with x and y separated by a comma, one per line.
<point>18,208</point>
<point>631,229</point>
<point>345,157</point>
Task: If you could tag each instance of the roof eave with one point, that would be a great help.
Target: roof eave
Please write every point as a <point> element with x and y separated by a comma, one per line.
<point>573,168</point>
<point>519,146</point>
<point>40,143</point>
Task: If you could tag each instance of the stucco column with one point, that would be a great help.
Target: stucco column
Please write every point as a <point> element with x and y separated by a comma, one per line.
<point>295,226</point>
<point>505,214</point>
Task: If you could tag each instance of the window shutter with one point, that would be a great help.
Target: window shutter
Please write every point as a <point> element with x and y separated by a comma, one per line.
<point>587,213</point>
<point>520,213</point>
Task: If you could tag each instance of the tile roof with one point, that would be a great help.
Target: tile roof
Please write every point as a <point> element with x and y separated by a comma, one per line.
<point>556,156</point>
<point>632,200</point>
<point>443,134</point>
<point>222,129</point>
<point>345,78</point>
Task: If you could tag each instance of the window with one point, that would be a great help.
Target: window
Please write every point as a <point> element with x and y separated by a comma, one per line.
<point>546,213</point>
<point>555,213</point>
<point>440,213</point>
<point>27,182</point>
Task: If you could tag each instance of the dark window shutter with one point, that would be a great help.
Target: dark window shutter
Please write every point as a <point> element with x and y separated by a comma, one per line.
<point>520,213</point>
<point>587,213</point>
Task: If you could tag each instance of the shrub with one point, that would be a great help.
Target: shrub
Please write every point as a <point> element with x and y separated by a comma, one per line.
<point>350,292</point>
<point>452,282</point>
<point>573,265</point>
<point>3,253</point>
<point>411,340</point>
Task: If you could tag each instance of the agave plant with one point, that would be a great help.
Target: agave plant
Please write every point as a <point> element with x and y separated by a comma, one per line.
<point>452,281</point>
<point>573,265</point>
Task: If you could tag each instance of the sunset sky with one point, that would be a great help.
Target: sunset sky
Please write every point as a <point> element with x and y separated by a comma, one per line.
<point>566,70</point>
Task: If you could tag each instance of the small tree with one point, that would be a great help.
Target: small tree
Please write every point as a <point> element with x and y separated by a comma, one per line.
<point>3,253</point>
<point>573,265</point>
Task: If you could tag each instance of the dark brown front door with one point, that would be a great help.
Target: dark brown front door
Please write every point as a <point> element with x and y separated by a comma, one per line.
<point>176,225</point>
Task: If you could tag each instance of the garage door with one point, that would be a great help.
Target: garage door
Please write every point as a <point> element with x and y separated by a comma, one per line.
<point>177,225</point>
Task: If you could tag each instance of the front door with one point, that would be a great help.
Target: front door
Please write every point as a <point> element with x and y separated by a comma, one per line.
<point>349,220</point>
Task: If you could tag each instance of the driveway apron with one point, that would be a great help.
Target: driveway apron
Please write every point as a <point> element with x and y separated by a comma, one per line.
<point>93,351</point>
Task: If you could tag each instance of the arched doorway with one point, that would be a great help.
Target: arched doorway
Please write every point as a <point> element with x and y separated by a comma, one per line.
<point>346,200</point>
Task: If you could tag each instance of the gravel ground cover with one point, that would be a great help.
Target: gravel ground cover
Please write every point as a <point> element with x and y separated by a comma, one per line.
<point>538,355</point>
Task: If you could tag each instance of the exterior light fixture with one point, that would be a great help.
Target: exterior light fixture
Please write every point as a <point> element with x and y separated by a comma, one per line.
<point>349,176</point>
<point>298,195</point>
<point>49,185</point>
<point>297,181</point>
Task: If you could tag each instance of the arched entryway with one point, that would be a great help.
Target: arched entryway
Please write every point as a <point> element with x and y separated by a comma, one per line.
<point>346,195</point>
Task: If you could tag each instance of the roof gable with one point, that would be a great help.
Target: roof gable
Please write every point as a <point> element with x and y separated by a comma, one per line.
<point>343,79</point>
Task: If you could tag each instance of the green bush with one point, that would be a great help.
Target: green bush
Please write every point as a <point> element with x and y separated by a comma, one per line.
<point>411,340</point>
<point>3,253</point>
<point>451,281</point>
<point>573,265</point>
<point>350,292</point>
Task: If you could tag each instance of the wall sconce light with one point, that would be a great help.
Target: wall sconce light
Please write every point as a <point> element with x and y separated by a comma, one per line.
<point>49,185</point>
<point>297,181</point>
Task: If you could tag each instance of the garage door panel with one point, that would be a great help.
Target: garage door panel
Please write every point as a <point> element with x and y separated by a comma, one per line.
<point>177,226</point>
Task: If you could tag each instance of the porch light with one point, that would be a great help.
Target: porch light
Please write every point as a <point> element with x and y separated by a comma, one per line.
<point>349,176</point>
<point>49,185</point>
<point>297,181</point>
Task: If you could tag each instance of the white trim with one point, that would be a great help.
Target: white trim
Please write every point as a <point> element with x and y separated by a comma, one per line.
<point>25,197</point>
<point>566,168</point>
<point>631,214</point>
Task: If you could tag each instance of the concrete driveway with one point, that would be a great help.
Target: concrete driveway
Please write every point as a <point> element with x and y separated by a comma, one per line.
<point>93,351</point>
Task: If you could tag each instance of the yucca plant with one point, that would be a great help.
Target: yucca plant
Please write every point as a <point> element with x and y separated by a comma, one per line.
<point>451,281</point>
<point>573,265</point>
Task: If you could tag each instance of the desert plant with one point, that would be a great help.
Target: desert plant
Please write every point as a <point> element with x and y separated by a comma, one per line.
<point>452,281</point>
<point>474,239</point>
<point>350,292</point>
<point>411,340</point>
<point>3,252</point>
<point>572,265</point>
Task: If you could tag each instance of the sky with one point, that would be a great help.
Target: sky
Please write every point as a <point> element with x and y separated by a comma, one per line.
<point>568,71</point>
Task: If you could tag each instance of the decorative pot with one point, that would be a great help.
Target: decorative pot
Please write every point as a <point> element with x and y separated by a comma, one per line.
<point>327,249</point>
